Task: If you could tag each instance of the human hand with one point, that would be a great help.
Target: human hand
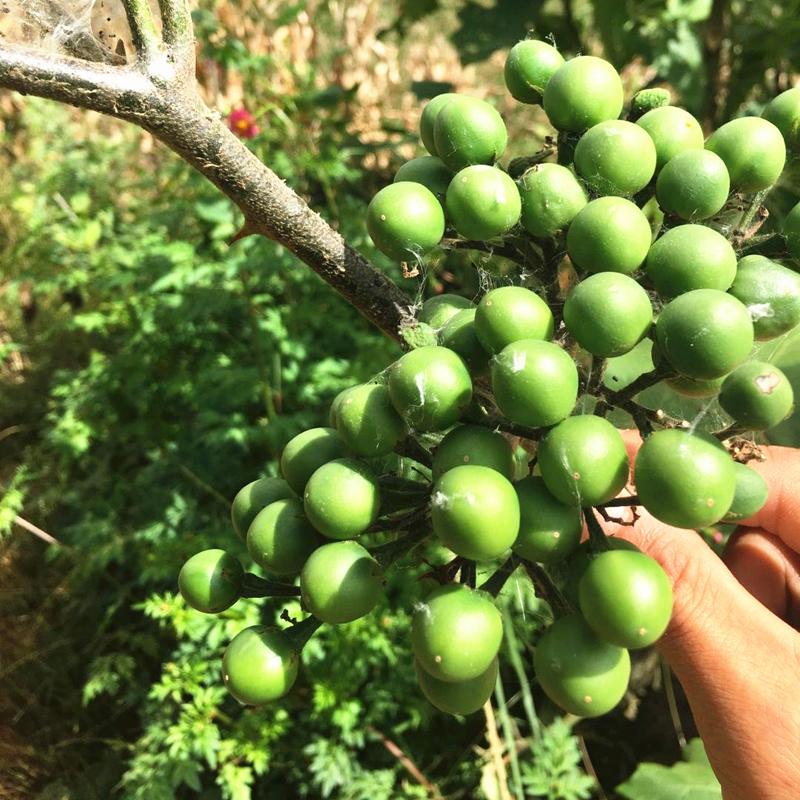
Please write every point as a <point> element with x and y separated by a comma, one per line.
<point>733,639</point>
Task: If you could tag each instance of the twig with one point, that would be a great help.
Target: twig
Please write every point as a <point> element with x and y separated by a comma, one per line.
<point>496,745</point>
<point>143,30</point>
<point>254,586</point>
<point>622,501</point>
<point>203,485</point>
<point>43,535</point>
<point>545,588</point>
<point>408,764</point>
<point>494,583</point>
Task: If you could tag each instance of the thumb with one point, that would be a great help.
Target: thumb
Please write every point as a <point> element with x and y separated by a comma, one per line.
<point>734,659</point>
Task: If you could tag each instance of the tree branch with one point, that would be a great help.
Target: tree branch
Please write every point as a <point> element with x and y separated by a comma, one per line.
<point>176,21</point>
<point>143,29</point>
<point>174,113</point>
<point>115,91</point>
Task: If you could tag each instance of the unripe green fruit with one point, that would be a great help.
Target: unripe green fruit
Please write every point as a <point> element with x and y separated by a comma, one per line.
<point>474,445</point>
<point>427,121</point>
<point>757,395</point>
<point>210,581</point>
<point>791,230</point>
<point>509,314</point>
<point>405,221</point>
<point>753,151</point>
<point>549,530</point>
<point>626,598</point>
<point>367,421</point>
<point>281,539</point>
<point>616,157</point>
<point>690,257</point>
<point>693,185</point>
<point>609,234</point>
<point>252,498</point>
<point>580,673</point>
<point>688,387</point>
<point>260,665</point>
<point>458,334</point>
<point>469,131</point>
<point>475,512</point>
<point>437,310</point>
<point>683,479</point>
<point>551,197</point>
<point>750,494</point>
<point>704,333</point>
<point>308,451</point>
<point>482,202</point>
<point>456,633</point>
<point>430,172</point>
<point>608,314</point>
<point>672,130</point>
<point>430,387</point>
<point>529,66</point>
<point>458,697</point>
<point>535,383</point>
<point>783,112</point>
<point>342,498</point>
<point>585,91</point>
<point>341,582</point>
<point>583,461</point>
<point>771,294</point>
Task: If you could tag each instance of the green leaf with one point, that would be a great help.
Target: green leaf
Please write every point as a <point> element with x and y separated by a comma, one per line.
<point>687,780</point>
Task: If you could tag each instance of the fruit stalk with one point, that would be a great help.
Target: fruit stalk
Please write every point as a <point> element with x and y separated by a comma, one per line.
<point>254,586</point>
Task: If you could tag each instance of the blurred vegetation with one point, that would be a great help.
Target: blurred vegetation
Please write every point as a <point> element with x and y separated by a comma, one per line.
<point>149,370</point>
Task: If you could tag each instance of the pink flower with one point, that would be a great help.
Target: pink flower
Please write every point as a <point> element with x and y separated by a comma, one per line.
<point>243,123</point>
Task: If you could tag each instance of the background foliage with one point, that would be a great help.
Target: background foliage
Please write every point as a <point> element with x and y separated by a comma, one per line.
<point>149,371</point>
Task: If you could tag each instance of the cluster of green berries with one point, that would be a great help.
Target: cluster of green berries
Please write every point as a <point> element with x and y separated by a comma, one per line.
<point>634,206</point>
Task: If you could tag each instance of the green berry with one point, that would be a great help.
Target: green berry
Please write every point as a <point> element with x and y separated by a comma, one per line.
<point>475,445</point>
<point>684,479</point>
<point>750,494</point>
<point>757,395</point>
<point>427,121</point>
<point>367,421</point>
<point>771,294</point>
<point>672,130</point>
<point>529,66</point>
<point>551,197</point>
<point>535,383</point>
<point>308,451</point>
<point>475,512</point>
<point>458,697</point>
<point>783,111</point>
<point>252,498</point>
<point>791,230</point>
<point>610,234</point>
<point>753,151</point>
<point>458,334</point>
<point>509,314</point>
<point>583,461</point>
<point>210,581</point>
<point>616,157</point>
<point>430,388</point>
<point>342,498</point>
<point>549,530</point>
<point>483,202</point>
<point>693,185</point>
<point>704,333</point>
<point>469,131</point>
<point>608,314</point>
<point>405,221</point>
<point>583,92</point>
<point>690,257</point>
<point>280,538</point>
<point>437,310</point>
<point>430,172</point>
<point>341,582</point>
